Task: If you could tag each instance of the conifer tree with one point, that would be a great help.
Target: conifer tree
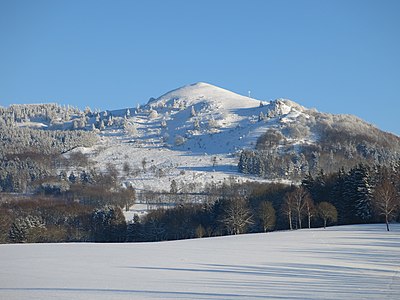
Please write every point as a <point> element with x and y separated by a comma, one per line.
<point>193,112</point>
<point>363,189</point>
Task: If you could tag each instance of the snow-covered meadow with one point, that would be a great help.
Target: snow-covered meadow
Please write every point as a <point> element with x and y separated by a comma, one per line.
<point>345,262</point>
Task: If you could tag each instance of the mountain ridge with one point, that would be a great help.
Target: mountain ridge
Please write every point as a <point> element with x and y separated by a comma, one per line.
<point>200,132</point>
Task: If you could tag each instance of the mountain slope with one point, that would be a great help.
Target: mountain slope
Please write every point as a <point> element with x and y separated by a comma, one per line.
<point>199,111</point>
<point>200,134</point>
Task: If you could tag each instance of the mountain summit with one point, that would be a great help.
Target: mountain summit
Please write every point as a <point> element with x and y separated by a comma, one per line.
<point>201,91</point>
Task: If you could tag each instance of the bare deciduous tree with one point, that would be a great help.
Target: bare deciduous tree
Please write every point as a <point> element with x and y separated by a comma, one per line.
<point>287,209</point>
<point>298,200</point>
<point>310,210</point>
<point>386,201</point>
<point>200,231</point>
<point>327,212</point>
<point>127,197</point>
<point>267,215</point>
<point>237,216</point>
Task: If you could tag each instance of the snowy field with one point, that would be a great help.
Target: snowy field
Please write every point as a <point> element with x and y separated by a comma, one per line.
<point>347,262</point>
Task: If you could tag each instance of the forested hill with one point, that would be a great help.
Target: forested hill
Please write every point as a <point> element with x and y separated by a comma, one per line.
<point>224,133</point>
<point>201,151</point>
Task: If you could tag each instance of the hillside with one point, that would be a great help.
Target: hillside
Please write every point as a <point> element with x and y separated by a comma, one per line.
<point>347,262</point>
<point>200,134</point>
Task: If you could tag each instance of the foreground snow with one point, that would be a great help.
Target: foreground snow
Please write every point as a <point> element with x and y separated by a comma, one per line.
<point>348,262</point>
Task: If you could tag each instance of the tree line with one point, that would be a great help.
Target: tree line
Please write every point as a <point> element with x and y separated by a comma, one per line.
<point>92,209</point>
<point>43,220</point>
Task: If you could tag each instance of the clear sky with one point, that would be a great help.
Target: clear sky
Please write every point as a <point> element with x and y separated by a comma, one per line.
<point>337,56</point>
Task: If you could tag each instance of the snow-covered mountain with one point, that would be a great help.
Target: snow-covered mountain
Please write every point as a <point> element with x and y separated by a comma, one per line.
<point>203,118</point>
<point>192,134</point>
<point>200,133</point>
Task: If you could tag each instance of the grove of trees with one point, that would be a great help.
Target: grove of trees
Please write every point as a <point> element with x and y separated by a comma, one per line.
<point>91,209</point>
<point>322,200</point>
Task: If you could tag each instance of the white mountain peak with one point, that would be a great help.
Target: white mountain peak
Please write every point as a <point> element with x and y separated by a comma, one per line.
<point>204,92</point>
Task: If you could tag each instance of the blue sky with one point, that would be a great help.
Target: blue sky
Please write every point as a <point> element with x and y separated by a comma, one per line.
<point>336,56</point>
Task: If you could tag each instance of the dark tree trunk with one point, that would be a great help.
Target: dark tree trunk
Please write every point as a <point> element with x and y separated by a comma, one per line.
<point>387,223</point>
<point>299,216</point>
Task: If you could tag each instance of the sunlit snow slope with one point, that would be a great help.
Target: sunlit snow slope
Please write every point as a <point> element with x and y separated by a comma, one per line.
<point>195,135</point>
<point>198,111</point>
<point>203,92</point>
<point>347,262</point>
<point>192,135</point>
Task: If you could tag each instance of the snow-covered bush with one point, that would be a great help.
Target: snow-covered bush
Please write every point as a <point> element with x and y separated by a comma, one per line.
<point>196,124</point>
<point>212,123</point>
<point>131,129</point>
<point>165,138</point>
<point>179,140</point>
<point>297,131</point>
<point>193,112</point>
<point>153,114</point>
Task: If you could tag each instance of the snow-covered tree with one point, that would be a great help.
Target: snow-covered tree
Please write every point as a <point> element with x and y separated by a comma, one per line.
<point>212,123</point>
<point>173,187</point>
<point>108,224</point>
<point>196,124</point>
<point>261,116</point>
<point>75,124</point>
<point>110,121</point>
<point>88,111</point>
<point>153,114</point>
<point>102,125</point>
<point>22,226</point>
<point>193,112</point>
<point>362,190</point>
<point>179,140</point>
<point>131,128</point>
